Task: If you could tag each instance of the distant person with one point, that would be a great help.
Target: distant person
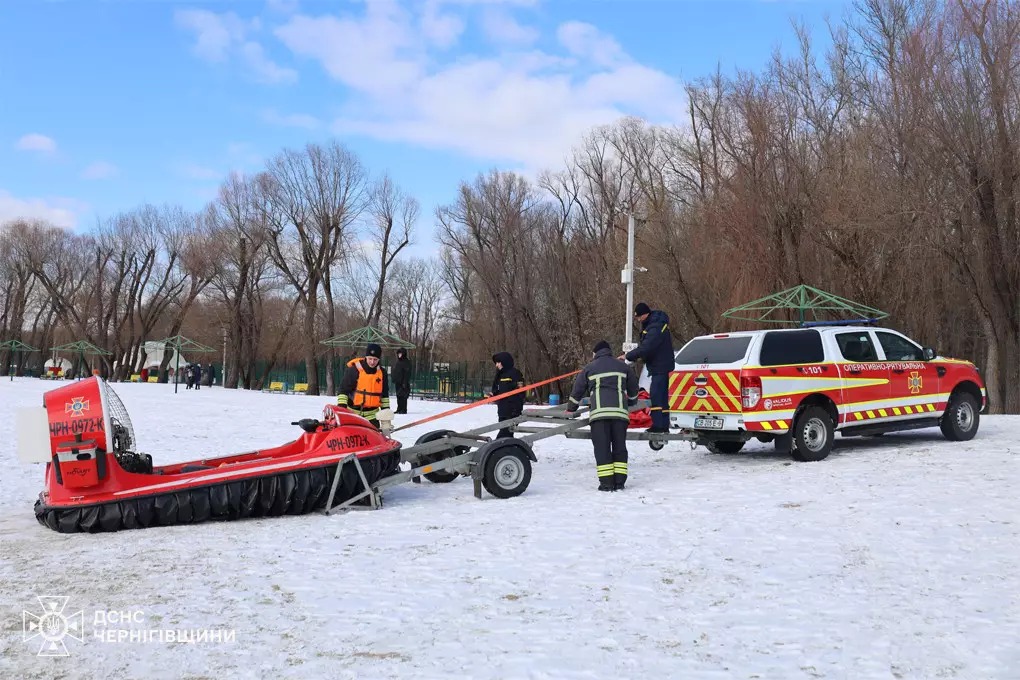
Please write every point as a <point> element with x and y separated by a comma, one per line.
<point>612,388</point>
<point>507,379</point>
<point>656,348</point>
<point>402,380</point>
<point>197,376</point>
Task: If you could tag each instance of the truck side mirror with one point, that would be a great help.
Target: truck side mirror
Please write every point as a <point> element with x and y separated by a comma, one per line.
<point>929,353</point>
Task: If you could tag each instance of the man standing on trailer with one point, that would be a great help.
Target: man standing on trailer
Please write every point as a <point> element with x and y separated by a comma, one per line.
<point>656,348</point>
<point>612,387</point>
<point>364,388</point>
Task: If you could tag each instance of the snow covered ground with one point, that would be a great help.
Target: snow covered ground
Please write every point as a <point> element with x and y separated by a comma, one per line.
<point>896,557</point>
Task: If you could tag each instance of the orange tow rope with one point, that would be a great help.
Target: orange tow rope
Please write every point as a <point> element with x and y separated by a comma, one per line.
<point>485,401</point>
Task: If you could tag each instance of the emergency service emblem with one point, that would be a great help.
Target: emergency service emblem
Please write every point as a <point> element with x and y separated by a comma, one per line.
<point>914,382</point>
<point>78,406</point>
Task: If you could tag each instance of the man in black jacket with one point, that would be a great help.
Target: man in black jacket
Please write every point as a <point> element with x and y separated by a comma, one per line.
<point>656,348</point>
<point>507,379</point>
<point>612,388</point>
<point>402,380</point>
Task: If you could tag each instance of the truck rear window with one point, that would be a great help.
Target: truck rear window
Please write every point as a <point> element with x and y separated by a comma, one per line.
<point>779,348</point>
<point>714,350</point>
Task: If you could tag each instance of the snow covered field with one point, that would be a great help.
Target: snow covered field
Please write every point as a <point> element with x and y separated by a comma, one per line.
<point>897,557</point>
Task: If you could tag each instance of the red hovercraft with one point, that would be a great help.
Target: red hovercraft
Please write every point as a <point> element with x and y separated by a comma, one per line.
<point>95,481</point>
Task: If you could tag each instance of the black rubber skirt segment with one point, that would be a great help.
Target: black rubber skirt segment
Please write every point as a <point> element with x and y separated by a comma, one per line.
<point>289,493</point>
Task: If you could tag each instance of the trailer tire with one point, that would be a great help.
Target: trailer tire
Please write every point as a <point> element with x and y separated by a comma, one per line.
<point>507,472</point>
<point>656,444</point>
<point>440,476</point>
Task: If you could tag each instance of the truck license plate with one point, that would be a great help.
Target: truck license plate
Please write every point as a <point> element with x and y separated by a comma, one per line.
<point>709,423</point>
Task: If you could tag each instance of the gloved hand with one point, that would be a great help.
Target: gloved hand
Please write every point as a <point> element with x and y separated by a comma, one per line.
<point>385,418</point>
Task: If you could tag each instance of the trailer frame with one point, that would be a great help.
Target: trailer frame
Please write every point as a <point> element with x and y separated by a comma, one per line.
<point>502,466</point>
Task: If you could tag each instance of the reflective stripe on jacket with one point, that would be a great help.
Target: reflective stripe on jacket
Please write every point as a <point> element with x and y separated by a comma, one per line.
<point>610,384</point>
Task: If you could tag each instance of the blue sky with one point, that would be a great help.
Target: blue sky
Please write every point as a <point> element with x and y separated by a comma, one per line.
<point>108,105</point>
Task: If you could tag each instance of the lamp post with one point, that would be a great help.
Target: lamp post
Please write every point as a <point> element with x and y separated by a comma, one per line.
<point>223,372</point>
<point>627,278</point>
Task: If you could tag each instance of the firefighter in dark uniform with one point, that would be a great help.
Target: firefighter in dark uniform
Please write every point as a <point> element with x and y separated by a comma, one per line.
<point>402,380</point>
<point>507,379</point>
<point>612,388</point>
<point>364,388</point>
<point>656,348</point>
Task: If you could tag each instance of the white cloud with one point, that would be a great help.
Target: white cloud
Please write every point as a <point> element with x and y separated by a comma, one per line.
<point>221,37</point>
<point>199,172</point>
<point>501,28</point>
<point>379,53</point>
<point>589,43</point>
<point>513,104</point>
<point>36,142</point>
<point>298,120</point>
<point>62,212</point>
<point>99,170</point>
<point>440,28</point>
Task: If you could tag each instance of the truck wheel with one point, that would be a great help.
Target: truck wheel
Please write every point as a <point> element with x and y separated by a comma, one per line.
<point>813,435</point>
<point>507,473</point>
<point>724,446</point>
<point>960,421</point>
<point>440,476</point>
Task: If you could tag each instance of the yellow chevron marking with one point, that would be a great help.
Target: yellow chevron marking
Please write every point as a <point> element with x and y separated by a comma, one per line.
<point>871,414</point>
<point>908,409</point>
<point>781,424</point>
<point>882,412</point>
<point>766,425</point>
<point>858,415</point>
<point>896,410</point>
<point>726,401</point>
<point>931,407</point>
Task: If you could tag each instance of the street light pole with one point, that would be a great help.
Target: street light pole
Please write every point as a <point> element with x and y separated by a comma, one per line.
<point>223,373</point>
<point>628,278</point>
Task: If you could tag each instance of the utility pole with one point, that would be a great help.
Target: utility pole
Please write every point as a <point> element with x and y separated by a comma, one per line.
<point>223,373</point>
<point>627,277</point>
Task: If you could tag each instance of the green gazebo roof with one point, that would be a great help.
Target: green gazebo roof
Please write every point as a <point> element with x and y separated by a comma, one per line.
<point>17,345</point>
<point>360,337</point>
<point>179,342</point>
<point>81,346</point>
<point>804,303</point>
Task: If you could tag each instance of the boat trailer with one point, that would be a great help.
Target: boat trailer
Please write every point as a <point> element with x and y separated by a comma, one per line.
<point>501,466</point>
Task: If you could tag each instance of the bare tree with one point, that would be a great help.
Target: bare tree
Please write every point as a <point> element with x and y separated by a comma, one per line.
<point>311,200</point>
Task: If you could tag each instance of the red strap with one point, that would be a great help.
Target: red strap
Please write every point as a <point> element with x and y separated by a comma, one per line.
<point>485,401</point>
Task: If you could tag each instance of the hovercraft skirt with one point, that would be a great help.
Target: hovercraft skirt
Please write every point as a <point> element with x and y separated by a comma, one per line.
<point>289,493</point>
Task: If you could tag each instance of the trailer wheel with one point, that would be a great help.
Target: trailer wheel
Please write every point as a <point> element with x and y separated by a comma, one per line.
<point>507,473</point>
<point>656,444</point>
<point>440,476</point>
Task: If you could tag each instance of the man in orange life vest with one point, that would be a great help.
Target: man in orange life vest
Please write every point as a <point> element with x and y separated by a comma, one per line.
<point>364,388</point>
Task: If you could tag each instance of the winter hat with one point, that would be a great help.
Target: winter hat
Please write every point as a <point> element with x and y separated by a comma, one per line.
<point>601,344</point>
<point>641,309</point>
<point>373,350</point>
<point>401,353</point>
